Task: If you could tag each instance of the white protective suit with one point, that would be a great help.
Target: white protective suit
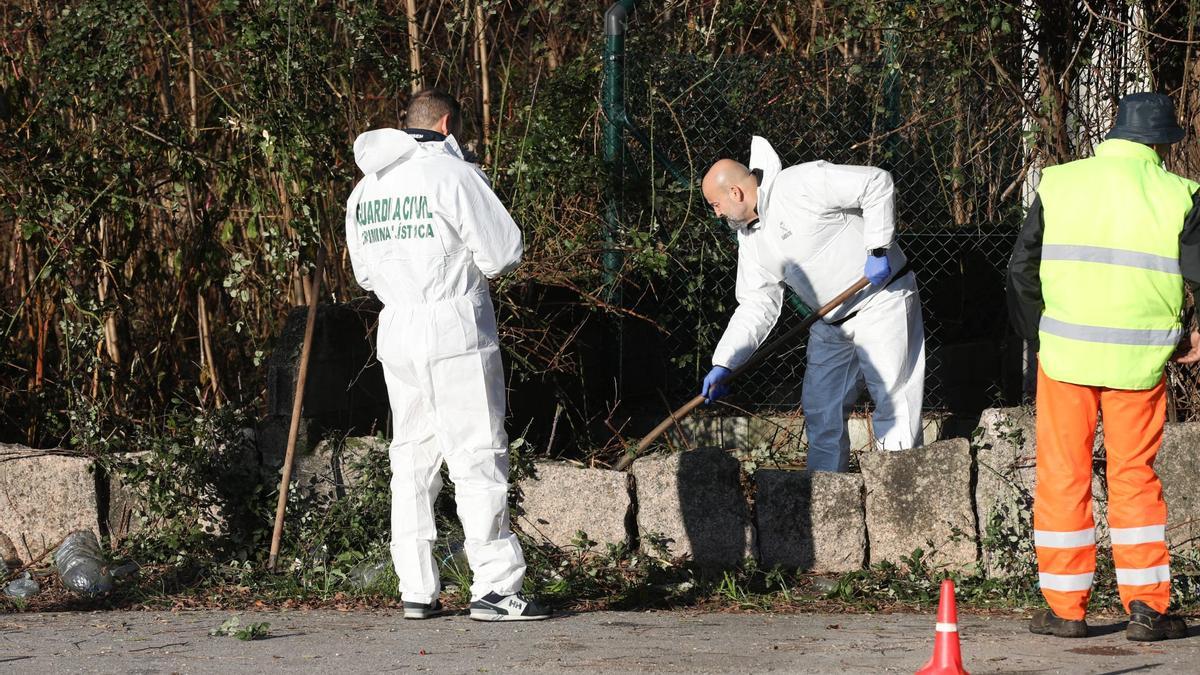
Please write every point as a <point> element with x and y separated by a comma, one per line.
<point>817,223</point>
<point>425,232</point>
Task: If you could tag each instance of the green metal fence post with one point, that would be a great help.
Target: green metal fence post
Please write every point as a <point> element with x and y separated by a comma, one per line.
<point>614,160</point>
<point>891,95</point>
<point>614,146</point>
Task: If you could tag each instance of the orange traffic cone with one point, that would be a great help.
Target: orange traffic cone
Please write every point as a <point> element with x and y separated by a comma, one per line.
<point>946,655</point>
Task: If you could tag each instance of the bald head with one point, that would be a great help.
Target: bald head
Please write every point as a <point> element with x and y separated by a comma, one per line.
<point>732,192</point>
<point>725,173</point>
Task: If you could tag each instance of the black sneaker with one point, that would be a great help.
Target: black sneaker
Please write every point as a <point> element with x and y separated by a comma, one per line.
<point>1147,625</point>
<point>496,607</point>
<point>1046,622</point>
<point>422,610</point>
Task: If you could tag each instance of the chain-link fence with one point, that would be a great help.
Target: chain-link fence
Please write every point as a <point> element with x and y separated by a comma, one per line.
<point>956,159</point>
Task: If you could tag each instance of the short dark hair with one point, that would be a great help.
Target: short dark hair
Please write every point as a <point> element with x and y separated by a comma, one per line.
<point>428,106</point>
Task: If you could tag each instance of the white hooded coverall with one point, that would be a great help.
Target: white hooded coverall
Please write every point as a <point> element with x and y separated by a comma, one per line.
<point>425,232</point>
<point>817,223</point>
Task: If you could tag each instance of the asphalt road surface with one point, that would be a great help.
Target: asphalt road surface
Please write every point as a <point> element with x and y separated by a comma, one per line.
<point>331,642</point>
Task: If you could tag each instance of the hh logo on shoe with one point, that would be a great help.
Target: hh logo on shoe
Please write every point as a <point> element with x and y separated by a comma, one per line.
<point>515,603</point>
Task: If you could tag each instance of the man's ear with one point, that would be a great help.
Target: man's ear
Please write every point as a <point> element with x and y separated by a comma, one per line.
<point>443,125</point>
<point>738,194</point>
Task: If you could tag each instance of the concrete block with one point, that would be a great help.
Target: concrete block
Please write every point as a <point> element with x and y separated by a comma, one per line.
<point>931,428</point>
<point>786,437</point>
<point>345,389</point>
<point>271,436</point>
<point>861,434</point>
<point>773,443</point>
<point>1005,458</point>
<point>694,499</point>
<point>332,467</point>
<point>721,432</point>
<point>125,510</point>
<point>126,513</point>
<point>1006,469</point>
<point>921,498</point>
<point>792,429</point>
<point>810,521</point>
<point>43,498</point>
<point>1178,465</point>
<point>564,499</point>
<point>776,432</point>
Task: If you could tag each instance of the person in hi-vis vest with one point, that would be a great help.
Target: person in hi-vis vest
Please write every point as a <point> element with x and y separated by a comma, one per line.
<point>1096,281</point>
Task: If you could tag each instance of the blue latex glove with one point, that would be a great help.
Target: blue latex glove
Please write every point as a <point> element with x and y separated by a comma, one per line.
<point>714,384</point>
<point>877,270</point>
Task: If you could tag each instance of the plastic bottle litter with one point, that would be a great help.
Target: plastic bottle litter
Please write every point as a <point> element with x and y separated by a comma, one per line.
<point>127,570</point>
<point>80,564</point>
<point>23,587</point>
<point>367,573</point>
<point>456,553</point>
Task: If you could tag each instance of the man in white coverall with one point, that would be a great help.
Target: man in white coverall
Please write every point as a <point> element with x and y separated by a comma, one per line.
<point>425,232</point>
<point>819,227</point>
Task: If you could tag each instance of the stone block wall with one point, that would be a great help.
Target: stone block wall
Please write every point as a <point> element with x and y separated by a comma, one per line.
<point>945,499</point>
<point>1178,468</point>
<point>561,500</point>
<point>810,521</point>
<point>941,499</point>
<point>695,500</point>
<point>43,498</point>
<point>47,494</point>
<point>921,499</point>
<point>1004,466</point>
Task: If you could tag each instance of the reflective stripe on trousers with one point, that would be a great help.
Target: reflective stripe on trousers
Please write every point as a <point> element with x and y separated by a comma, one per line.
<point>1064,531</point>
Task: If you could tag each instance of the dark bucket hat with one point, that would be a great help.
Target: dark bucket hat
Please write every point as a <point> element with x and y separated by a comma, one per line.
<point>1147,118</point>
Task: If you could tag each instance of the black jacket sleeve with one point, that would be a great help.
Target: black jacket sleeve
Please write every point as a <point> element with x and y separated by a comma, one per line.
<point>1025,303</point>
<point>1189,256</point>
<point>1189,246</point>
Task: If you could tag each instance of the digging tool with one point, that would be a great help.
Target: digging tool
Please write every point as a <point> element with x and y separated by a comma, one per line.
<point>297,406</point>
<point>750,363</point>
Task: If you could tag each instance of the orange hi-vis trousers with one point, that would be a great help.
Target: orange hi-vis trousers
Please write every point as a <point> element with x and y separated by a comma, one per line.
<point>1064,531</point>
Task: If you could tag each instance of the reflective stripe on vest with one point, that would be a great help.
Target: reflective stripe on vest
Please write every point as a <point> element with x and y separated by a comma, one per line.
<point>1113,336</point>
<point>1110,267</point>
<point>1111,256</point>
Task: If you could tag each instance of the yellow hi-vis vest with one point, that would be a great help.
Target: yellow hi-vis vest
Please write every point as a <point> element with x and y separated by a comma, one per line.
<point>1110,267</point>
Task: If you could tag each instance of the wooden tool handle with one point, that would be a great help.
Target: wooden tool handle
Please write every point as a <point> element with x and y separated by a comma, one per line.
<point>750,363</point>
<point>297,406</point>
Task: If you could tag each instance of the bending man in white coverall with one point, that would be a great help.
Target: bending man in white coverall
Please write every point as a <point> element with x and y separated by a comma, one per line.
<point>811,226</point>
<point>425,232</point>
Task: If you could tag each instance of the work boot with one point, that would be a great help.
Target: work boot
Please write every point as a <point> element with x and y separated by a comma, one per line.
<point>422,610</point>
<point>1147,625</point>
<point>1046,622</point>
<point>497,607</point>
